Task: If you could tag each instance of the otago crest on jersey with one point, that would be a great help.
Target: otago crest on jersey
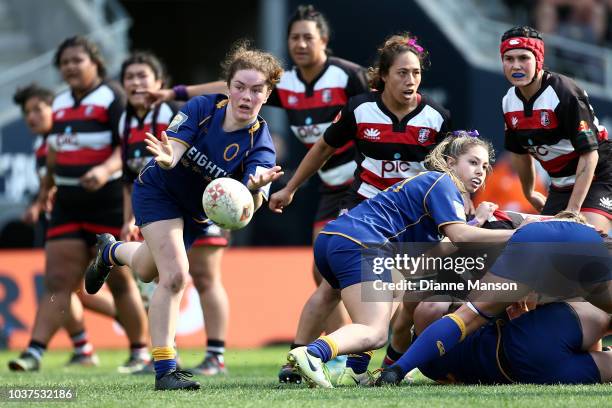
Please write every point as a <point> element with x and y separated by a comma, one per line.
<point>177,121</point>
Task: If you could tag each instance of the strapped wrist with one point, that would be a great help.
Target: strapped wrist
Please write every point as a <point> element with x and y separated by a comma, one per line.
<point>180,93</point>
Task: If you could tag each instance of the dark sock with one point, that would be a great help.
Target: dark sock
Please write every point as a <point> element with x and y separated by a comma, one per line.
<point>108,254</point>
<point>36,349</point>
<point>215,347</point>
<point>435,341</point>
<point>321,349</point>
<point>392,356</point>
<point>359,361</point>
<point>295,345</point>
<point>164,366</point>
<point>139,350</point>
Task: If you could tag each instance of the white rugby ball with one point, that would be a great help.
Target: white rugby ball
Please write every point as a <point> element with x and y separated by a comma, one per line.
<point>228,203</point>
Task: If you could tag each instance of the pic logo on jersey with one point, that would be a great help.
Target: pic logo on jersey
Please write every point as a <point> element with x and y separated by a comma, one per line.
<point>544,118</point>
<point>583,126</point>
<point>606,203</point>
<point>292,100</point>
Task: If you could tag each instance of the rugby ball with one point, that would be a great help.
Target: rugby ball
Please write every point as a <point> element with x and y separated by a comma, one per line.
<point>228,203</point>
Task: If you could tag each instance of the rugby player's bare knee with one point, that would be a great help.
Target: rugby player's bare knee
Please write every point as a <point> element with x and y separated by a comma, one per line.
<point>204,275</point>
<point>58,278</point>
<point>175,280</point>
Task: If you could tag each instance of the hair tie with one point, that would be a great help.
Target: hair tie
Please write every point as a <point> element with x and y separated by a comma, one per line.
<point>470,133</point>
<point>412,42</point>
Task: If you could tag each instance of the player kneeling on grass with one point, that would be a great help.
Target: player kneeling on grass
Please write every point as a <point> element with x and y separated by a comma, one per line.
<point>560,257</point>
<point>211,137</point>
<point>417,209</point>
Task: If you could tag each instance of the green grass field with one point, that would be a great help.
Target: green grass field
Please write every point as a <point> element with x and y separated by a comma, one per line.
<point>252,383</point>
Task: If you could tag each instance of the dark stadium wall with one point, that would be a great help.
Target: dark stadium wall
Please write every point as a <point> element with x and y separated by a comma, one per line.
<point>192,36</point>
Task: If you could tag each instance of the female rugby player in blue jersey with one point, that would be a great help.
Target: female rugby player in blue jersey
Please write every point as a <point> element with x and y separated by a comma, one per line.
<point>417,209</point>
<point>212,136</point>
<point>141,73</point>
<point>311,93</point>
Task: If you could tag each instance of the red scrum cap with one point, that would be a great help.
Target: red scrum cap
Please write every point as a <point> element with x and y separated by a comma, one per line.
<point>524,38</point>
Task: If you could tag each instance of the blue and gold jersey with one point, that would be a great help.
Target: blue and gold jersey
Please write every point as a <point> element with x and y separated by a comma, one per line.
<point>211,152</point>
<point>412,210</point>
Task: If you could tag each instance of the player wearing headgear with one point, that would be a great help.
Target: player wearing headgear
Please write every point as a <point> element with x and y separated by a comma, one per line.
<point>417,209</point>
<point>212,136</point>
<point>142,73</point>
<point>549,118</point>
<point>571,260</point>
<point>83,162</point>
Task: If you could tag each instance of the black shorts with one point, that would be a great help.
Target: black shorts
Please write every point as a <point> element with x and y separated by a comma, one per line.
<point>598,199</point>
<point>350,200</point>
<point>329,205</point>
<point>80,214</point>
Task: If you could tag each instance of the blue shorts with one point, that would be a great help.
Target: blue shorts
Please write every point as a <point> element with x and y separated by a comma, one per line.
<point>151,203</point>
<point>344,263</point>
<point>545,347</point>
<point>556,258</point>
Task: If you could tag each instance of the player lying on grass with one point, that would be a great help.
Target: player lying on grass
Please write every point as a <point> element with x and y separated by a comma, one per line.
<point>560,257</point>
<point>549,345</point>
